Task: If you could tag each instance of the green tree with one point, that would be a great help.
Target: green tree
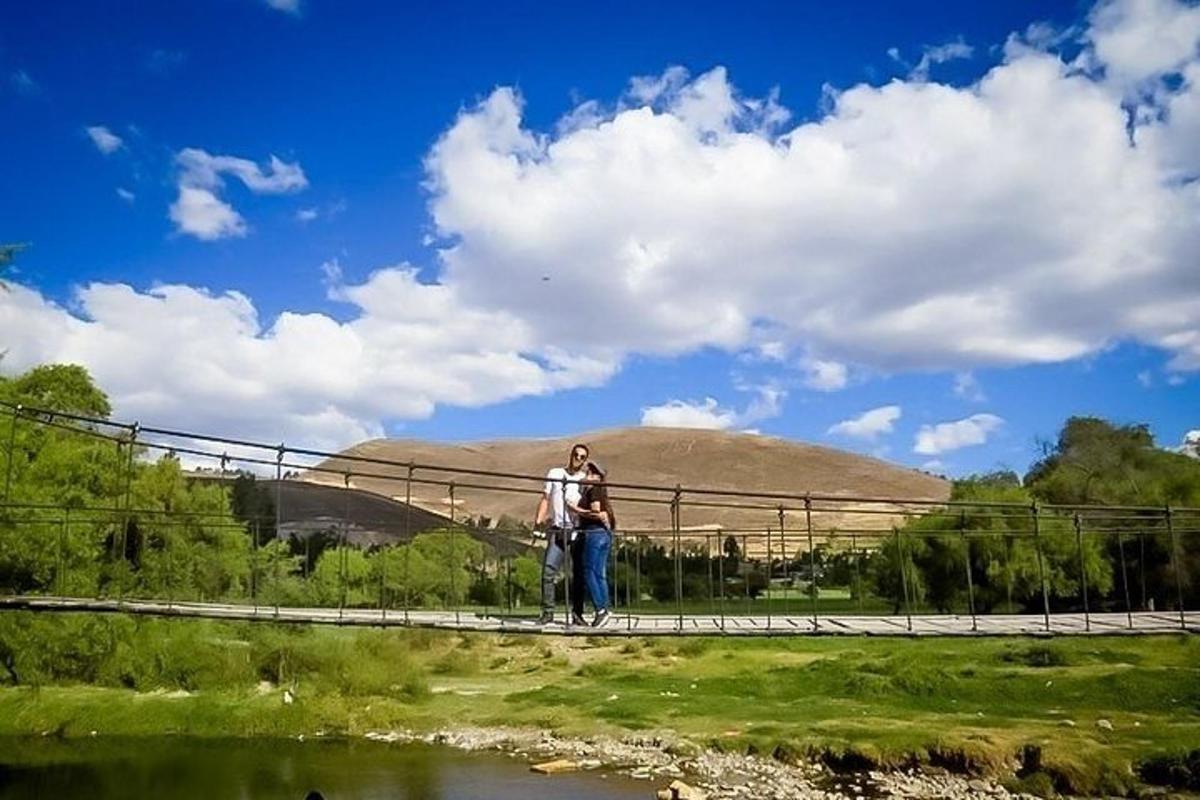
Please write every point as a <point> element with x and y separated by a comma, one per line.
<point>1096,462</point>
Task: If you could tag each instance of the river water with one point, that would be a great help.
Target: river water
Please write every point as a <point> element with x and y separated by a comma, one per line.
<point>258,769</point>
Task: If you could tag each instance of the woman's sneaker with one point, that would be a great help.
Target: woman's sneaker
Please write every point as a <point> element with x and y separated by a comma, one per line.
<point>577,619</point>
<point>601,617</point>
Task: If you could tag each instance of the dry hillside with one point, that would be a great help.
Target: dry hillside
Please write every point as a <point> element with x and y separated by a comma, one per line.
<point>648,456</point>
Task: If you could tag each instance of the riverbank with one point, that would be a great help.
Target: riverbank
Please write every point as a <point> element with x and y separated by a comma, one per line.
<point>1091,716</point>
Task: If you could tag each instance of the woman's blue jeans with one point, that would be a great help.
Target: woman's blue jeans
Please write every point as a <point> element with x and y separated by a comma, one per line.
<point>597,545</point>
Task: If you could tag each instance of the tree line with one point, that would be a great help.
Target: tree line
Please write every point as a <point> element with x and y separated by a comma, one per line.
<point>161,534</point>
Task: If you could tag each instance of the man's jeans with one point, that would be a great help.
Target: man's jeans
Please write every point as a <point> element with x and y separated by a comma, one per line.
<point>552,564</point>
<point>597,544</point>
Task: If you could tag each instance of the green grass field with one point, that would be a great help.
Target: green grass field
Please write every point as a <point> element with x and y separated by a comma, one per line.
<point>1078,713</point>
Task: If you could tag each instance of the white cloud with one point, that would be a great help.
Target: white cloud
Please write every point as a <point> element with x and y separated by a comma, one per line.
<point>125,194</point>
<point>200,212</point>
<point>1191,444</point>
<point>869,425</point>
<point>1135,41</point>
<point>689,414</point>
<point>286,6</point>
<point>933,440</point>
<point>966,386</point>
<point>915,225</point>
<point>105,140</point>
<point>1026,218</point>
<point>940,54</point>
<point>708,414</point>
<point>200,168</point>
<point>1145,379</point>
<point>307,215</point>
<point>186,357</point>
<point>824,376</point>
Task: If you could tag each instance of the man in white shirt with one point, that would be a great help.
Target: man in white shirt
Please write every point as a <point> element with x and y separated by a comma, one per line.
<point>554,512</point>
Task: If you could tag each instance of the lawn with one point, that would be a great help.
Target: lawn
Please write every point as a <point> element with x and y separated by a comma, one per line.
<point>1079,713</point>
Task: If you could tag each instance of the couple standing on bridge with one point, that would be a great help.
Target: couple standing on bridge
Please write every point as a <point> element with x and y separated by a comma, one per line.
<point>578,521</point>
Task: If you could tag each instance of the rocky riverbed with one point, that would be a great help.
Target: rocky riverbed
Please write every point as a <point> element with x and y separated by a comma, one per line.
<point>663,759</point>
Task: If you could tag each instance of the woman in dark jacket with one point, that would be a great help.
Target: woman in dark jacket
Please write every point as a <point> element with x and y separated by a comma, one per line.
<point>598,521</point>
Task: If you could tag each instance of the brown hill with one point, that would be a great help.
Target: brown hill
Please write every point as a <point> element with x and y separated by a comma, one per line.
<point>661,457</point>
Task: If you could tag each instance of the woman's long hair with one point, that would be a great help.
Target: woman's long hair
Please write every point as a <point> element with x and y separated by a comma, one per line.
<point>600,495</point>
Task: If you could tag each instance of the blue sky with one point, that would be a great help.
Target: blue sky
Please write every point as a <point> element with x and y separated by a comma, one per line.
<point>929,232</point>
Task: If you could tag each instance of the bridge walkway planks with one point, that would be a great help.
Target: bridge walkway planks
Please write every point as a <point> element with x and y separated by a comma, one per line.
<point>1145,622</point>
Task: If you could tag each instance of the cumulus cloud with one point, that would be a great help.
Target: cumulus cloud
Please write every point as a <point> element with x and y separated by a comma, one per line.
<point>705,413</point>
<point>1037,215</point>
<point>869,425</point>
<point>125,194</point>
<point>966,386</point>
<point>199,211</point>
<point>708,414</point>
<point>915,225</point>
<point>187,357</point>
<point>933,440</point>
<point>1135,41</point>
<point>105,140</point>
<point>202,214</point>
<point>824,376</point>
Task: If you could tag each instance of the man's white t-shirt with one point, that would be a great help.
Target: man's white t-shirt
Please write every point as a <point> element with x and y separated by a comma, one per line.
<point>560,515</point>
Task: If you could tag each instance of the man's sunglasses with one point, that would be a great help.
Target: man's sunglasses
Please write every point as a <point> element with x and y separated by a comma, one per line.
<point>578,456</point>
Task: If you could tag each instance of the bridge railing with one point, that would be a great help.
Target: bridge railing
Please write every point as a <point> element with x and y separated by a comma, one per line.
<point>785,563</point>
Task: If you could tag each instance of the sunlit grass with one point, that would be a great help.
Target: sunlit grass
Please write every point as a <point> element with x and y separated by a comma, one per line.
<point>1080,712</point>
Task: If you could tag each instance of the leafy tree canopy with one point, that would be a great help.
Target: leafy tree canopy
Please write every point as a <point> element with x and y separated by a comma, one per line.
<point>1095,461</point>
<point>57,387</point>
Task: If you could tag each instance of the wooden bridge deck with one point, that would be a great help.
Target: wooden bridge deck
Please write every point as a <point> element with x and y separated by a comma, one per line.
<point>620,624</point>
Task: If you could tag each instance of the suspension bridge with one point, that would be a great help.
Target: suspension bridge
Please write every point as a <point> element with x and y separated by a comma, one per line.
<point>331,554</point>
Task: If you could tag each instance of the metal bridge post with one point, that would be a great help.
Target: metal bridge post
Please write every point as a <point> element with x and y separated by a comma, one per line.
<point>568,563</point>
<point>1008,571</point>
<point>812,556</point>
<point>746,575</point>
<point>962,534</point>
<point>1125,580</point>
<point>1037,544</point>
<point>408,537</point>
<point>1087,620</point>
<point>63,534</point>
<point>1176,567</point>
<point>712,594</point>
<point>343,555</point>
<point>900,558</point>
<point>383,561</point>
<point>628,584</point>
<point>133,432</point>
<point>254,567</point>
<point>12,446</point>
<point>858,582</point>
<point>637,573</point>
<point>280,452</point>
<point>675,527</point>
<point>453,560</point>
<point>721,577</point>
<point>770,565</point>
<point>784,552</point>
